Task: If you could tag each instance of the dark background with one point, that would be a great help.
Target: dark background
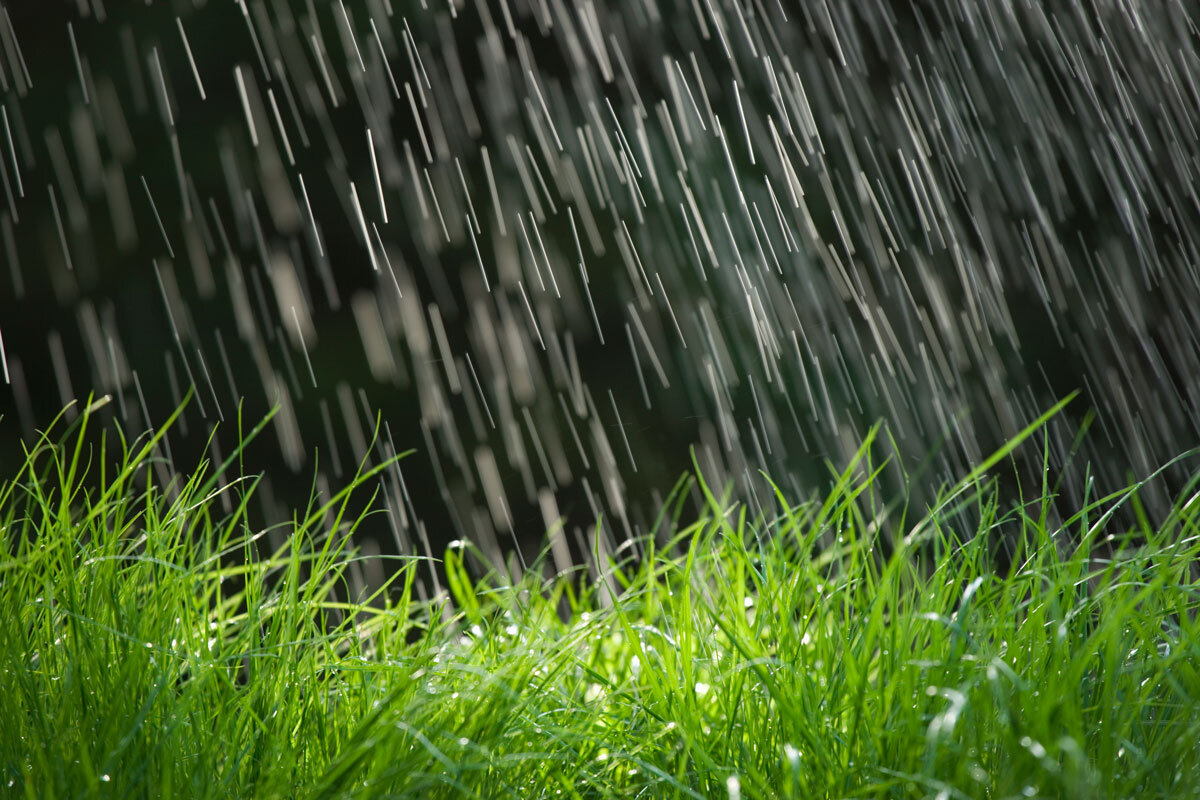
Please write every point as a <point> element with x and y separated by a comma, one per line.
<point>1061,142</point>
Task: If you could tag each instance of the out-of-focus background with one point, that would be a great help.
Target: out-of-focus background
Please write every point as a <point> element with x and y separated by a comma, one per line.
<point>556,247</point>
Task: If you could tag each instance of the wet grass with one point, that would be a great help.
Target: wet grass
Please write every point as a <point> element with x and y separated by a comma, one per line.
<point>842,648</point>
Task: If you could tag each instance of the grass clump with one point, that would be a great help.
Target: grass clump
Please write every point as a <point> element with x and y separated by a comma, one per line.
<point>836,649</point>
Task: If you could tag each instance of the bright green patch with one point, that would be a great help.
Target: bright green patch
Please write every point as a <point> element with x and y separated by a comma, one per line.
<point>837,649</point>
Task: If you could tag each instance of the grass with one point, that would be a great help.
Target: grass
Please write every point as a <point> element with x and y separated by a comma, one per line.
<point>841,648</point>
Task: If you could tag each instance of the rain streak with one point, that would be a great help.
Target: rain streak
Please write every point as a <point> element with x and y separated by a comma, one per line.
<point>566,251</point>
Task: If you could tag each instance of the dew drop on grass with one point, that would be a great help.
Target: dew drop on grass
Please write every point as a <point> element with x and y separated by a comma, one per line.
<point>1034,747</point>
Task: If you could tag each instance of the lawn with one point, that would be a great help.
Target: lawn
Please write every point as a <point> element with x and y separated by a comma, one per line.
<point>846,646</point>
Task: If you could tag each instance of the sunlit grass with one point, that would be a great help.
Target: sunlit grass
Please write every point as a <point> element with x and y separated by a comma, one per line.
<point>845,647</point>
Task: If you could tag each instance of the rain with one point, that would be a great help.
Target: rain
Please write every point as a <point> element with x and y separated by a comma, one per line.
<point>567,251</point>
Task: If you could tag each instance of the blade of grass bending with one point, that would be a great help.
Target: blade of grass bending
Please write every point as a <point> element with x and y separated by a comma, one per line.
<point>918,532</point>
